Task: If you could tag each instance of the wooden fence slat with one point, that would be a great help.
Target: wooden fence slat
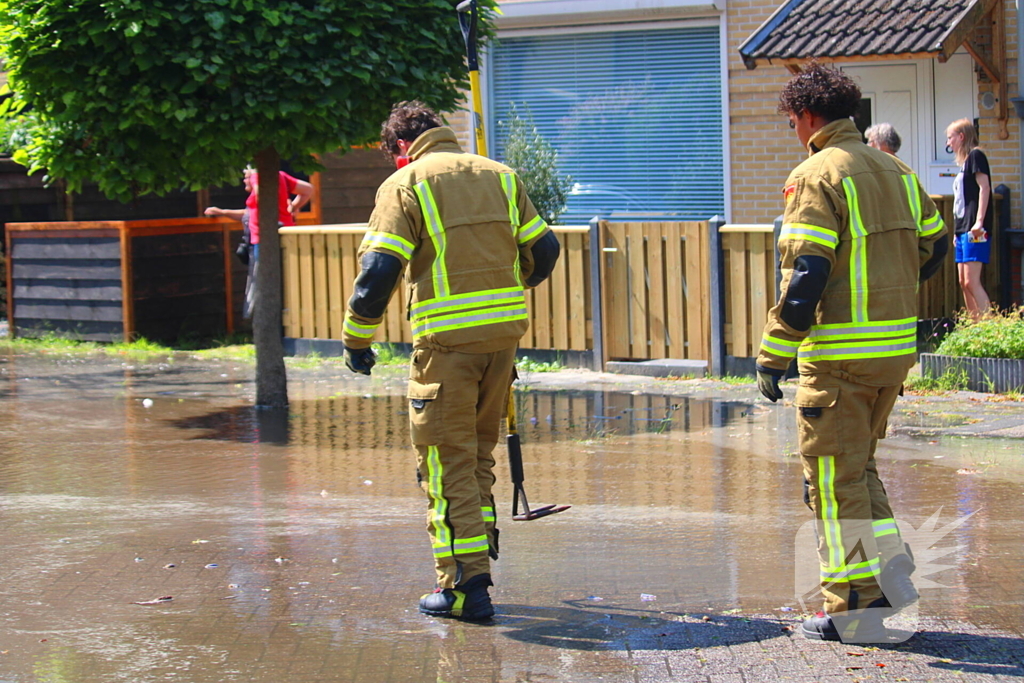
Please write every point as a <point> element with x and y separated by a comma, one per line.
<point>675,303</point>
<point>307,303</point>
<point>336,301</point>
<point>656,292</point>
<point>639,347</point>
<point>759,287</point>
<point>615,284</point>
<point>559,301</point>
<point>695,291</point>
<point>321,299</point>
<point>737,274</point>
<point>293,324</point>
<point>578,308</point>
<point>542,315</point>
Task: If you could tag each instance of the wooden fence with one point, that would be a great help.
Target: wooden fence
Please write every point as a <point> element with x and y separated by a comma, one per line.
<point>749,272</point>
<point>320,267</point>
<point>655,279</point>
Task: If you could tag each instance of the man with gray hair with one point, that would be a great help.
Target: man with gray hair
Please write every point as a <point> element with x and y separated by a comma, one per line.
<point>884,137</point>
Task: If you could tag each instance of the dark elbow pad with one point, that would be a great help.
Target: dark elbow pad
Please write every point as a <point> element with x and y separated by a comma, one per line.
<point>939,251</point>
<point>374,284</point>
<point>810,275</point>
<point>545,253</point>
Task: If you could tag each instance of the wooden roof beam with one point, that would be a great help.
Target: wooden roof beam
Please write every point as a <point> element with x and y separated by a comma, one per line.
<point>957,34</point>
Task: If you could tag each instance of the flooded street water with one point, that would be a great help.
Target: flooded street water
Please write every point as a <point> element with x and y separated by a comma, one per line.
<point>293,545</point>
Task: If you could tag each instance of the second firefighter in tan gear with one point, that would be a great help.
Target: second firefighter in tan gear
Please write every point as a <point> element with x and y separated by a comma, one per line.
<point>858,235</point>
<point>471,242</point>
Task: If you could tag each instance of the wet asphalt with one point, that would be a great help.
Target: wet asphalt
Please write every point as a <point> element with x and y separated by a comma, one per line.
<point>266,545</point>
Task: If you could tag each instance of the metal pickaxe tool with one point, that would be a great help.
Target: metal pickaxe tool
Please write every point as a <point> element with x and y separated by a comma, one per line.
<point>515,465</point>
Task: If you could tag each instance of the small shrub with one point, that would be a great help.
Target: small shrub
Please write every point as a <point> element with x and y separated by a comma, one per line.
<point>953,379</point>
<point>1000,335</point>
<point>536,162</point>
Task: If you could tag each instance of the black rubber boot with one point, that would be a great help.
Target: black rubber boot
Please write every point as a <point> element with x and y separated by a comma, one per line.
<point>468,601</point>
<point>864,626</point>
<point>897,588</point>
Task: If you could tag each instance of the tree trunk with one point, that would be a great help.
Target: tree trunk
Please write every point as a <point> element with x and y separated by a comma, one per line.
<point>267,328</point>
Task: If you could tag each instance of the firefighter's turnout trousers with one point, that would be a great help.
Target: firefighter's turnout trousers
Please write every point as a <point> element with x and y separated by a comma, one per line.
<point>839,424</point>
<point>456,402</point>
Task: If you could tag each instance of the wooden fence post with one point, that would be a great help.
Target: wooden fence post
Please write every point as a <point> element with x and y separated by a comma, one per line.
<point>1002,198</point>
<point>596,292</point>
<point>717,295</point>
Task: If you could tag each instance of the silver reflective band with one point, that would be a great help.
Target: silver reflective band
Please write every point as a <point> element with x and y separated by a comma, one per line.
<point>514,296</point>
<point>818,352</point>
<point>862,329</point>
<point>450,322</point>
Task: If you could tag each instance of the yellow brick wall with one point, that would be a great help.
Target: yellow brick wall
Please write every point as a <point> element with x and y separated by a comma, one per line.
<point>764,149</point>
<point>1003,155</point>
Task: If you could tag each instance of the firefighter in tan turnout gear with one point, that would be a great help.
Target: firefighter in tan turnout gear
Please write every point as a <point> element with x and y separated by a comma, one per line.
<point>858,236</point>
<point>473,243</point>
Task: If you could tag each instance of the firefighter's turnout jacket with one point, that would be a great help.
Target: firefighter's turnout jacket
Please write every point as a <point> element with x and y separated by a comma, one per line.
<point>465,226</point>
<point>864,211</point>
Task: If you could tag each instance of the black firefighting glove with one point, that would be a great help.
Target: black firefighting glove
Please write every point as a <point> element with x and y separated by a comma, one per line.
<point>360,360</point>
<point>768,382</point>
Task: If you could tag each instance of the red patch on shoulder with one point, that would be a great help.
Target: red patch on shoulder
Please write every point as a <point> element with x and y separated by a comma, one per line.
<point>788,192</point>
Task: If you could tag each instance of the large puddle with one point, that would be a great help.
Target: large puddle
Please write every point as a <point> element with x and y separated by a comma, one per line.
<point>293,545</point>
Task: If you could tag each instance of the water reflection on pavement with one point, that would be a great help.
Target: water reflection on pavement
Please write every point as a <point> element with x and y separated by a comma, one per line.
<point>292,543</point>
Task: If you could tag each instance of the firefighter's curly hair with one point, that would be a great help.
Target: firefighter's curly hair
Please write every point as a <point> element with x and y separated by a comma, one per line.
<point>820,90</point>
<point>407,121</point>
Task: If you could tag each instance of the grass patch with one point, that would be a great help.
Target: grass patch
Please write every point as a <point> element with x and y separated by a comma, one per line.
<point>953,379</point>
<point>54,344</point>
<point>736,379</point>
<point>527,364</point>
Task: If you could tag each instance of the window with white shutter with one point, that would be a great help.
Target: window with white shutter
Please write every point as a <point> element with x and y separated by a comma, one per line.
<point>636,116</point>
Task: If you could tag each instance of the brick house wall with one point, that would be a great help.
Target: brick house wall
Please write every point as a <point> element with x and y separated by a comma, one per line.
<point>764,149</point>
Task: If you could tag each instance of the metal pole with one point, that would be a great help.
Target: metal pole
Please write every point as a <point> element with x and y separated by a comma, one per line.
<point>717,260</point>
<point>1002,196</point>
<point>596,314</point>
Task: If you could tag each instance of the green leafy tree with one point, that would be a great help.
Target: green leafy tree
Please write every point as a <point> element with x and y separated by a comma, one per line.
<point>151,95</point>
<point>536,162</point>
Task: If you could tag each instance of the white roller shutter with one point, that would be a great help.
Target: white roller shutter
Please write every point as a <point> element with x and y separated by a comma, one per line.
<point>635,115</point>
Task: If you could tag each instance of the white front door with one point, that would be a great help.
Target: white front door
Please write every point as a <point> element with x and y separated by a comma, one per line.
<point>891,94</point>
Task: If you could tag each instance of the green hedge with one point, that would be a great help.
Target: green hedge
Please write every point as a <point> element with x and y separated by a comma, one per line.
<point>1000,335</point>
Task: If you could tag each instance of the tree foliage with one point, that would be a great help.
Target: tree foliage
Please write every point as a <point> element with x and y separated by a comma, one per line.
<point>152,95</point>
<point>536,162</point>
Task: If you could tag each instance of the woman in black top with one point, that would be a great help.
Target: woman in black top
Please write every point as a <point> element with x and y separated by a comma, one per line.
<point>972,213</point>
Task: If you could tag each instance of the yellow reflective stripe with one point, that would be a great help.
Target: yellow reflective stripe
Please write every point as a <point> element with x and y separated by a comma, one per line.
<point>780,347</point>
<point>384,240</point>
<point>532,229</point>
<point>927,230</point>
<point>437,236</point>
<point>488,514</point>
<point>463,546</point>
<point>475,319</point>
<point>360,330</point>
<point>439,511</point>
<point>858,255</point>
<point>813,233</point>
<point>829,510</point>
<point>508,184</point>
<point>460,597</point>
<point>860,570</point>
<point>884,527</point>
<point>913,197</point>
<point>890,328</point>
<point>880,349</point>
<point>456,302</point>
